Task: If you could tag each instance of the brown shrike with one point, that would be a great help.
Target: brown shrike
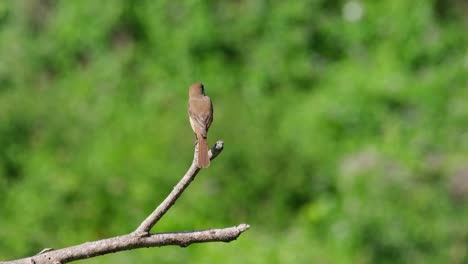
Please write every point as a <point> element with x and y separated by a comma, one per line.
<point>200,111</point>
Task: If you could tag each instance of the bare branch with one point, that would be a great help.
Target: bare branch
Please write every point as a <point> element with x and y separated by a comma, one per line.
<point>154,217</point>
<point>141,237</point>
<point>130,241</point>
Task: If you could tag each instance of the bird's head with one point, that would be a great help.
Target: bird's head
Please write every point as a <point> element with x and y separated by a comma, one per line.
<point>197,89</point>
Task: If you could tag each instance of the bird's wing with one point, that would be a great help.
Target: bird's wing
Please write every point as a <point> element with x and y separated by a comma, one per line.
<point>200,112</point>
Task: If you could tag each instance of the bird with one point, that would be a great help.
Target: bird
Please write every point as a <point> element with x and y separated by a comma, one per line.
<point>200,110</point>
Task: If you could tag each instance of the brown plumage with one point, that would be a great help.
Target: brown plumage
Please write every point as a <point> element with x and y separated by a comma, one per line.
<point>200,111</point>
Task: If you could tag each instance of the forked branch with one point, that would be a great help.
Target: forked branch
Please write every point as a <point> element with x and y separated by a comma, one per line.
<point>141,237</point>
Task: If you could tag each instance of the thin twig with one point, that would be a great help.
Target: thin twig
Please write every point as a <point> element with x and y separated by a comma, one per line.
<point>153,218</point>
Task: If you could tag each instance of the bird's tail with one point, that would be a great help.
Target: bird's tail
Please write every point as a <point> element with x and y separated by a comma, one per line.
<point>203,158</point>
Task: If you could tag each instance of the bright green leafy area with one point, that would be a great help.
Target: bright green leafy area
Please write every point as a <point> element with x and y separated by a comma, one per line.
<point>345,123</point>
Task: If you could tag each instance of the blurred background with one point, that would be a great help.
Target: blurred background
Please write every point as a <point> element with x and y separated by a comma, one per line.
<point>345,126</point>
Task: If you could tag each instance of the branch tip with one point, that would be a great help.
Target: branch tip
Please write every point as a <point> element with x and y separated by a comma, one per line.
<point>243,227</point>
<point>216,149</point>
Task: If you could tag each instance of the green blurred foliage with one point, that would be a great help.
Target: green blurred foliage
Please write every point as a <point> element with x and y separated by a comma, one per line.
<point>345,123</point>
